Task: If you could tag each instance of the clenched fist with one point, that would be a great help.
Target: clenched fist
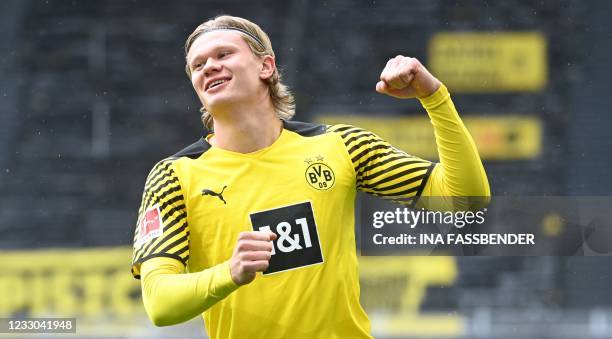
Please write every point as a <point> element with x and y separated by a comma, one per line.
<point>405,77</point>
<point>251,255</point>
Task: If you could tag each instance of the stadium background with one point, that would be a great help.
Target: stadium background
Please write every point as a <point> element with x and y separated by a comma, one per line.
<point>93,93</point>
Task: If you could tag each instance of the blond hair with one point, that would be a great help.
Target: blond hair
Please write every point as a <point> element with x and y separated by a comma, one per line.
<point>260,45</point>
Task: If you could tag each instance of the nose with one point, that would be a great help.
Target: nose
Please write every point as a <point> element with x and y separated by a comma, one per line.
<point>211,66</point>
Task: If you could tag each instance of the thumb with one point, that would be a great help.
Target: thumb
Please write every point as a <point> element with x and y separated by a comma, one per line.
<point>381,87</point>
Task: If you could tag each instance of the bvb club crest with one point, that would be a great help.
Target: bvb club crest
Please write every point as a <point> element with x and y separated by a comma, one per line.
<point>318,174</point>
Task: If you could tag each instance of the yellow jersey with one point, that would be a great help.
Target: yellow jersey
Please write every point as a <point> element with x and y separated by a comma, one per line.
<point>303,188</point>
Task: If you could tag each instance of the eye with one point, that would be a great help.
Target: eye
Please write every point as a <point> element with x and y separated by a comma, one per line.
<point>224,54</point>
<point>197,66</point>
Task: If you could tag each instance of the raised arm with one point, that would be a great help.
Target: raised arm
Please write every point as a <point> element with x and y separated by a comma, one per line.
<point>460,176</point>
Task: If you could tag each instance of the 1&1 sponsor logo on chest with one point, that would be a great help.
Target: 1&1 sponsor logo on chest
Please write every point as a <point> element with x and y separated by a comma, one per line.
<point>297,243</point>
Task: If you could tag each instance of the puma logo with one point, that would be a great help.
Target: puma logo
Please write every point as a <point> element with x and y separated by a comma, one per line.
<point>219,195</point>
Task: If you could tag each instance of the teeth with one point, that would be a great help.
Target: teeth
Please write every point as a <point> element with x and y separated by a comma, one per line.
<point>218,82</point>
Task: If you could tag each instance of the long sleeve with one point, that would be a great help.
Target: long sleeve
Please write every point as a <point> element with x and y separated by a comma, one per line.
<point>460,173</point>
<point>171,296</point>
<point>458,182</point>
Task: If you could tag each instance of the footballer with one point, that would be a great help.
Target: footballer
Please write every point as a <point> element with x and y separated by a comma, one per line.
<point>252,226</point>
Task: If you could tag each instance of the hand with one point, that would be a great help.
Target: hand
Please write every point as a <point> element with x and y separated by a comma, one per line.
<point>405,77</point>
<point>251,255</point>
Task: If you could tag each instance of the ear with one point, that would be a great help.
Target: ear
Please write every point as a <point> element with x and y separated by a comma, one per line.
<point>268,66</point>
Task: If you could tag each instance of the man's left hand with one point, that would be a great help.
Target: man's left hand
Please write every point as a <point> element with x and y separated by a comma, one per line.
<point>405,78</point>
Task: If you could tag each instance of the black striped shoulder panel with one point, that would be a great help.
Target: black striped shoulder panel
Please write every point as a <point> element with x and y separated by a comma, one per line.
<point>161,229</point>
<point>381,169</point>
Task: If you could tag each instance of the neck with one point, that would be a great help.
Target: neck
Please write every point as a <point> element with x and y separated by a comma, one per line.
<point>245,130</point>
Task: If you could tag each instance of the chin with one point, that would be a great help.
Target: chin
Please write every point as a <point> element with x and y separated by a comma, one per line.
<point>219,101</point>
<point>218,97</point>
<point>224,99</point>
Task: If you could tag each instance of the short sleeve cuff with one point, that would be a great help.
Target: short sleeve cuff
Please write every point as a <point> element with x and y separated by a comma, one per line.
<point>138,263</point>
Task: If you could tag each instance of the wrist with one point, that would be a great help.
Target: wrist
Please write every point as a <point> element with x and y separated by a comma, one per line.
<point>226,279</point>
<point>432,87</point>
<point>436,98</point>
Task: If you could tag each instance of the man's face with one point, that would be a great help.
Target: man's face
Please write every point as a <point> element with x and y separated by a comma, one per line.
<point>224,71</point>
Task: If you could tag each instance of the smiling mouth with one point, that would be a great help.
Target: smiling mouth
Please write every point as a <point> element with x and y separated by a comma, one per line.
<point>216,84</point>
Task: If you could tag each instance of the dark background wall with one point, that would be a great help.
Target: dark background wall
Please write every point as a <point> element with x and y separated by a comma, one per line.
<point>93,93</point>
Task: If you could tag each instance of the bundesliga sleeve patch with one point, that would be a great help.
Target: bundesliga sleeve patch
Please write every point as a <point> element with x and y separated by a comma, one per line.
<point>150,225</point>
<point>297,243</point>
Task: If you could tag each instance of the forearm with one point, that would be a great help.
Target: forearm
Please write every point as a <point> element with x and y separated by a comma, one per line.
<point>460,172</point>
<point>171,297</point>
